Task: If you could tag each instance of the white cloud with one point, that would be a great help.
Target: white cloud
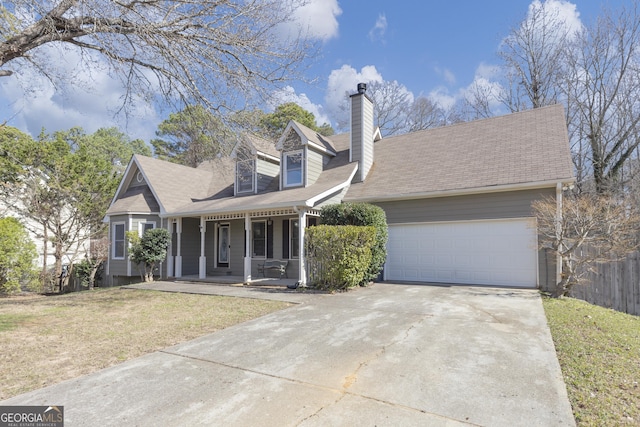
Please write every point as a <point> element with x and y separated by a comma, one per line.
<point>288,94</point>
<point>343,82</point>
<point>319,18</point>
<point>87,96</point>
<point>379,29</point>
<point>441,96</point>
<point>565,11</point>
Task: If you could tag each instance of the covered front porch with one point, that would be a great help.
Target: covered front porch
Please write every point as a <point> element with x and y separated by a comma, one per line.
<point>230,247</point>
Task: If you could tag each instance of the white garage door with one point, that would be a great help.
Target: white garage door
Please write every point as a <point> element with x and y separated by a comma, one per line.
<point>501,252</point>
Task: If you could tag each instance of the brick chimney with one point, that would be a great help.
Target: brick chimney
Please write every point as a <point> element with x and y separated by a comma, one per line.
<point>361,144</point>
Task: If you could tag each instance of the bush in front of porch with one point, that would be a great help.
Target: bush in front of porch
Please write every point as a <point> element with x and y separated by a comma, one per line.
<point>339,257</point>
<point>362,214</point>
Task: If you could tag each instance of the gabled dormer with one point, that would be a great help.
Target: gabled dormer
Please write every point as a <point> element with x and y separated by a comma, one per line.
<point>257,166</point>
<point>303,155</point>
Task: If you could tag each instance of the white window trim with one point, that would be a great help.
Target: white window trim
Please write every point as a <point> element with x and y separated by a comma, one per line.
<point>253,255</point>
<point>113,236</point>
<point>253,177</point>
<point>284,168</point>
<point>141,225</point>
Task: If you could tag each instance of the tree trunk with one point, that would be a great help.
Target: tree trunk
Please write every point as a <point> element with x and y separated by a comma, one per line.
<point>564,285</point>
<point>44,275</point>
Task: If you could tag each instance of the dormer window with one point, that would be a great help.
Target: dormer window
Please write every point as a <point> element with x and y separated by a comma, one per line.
<point>293,169</point>
<point>245,176</point>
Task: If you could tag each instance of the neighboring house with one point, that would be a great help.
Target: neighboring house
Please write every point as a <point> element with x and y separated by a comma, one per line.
<point>457,199</point>
<point>75,252</point>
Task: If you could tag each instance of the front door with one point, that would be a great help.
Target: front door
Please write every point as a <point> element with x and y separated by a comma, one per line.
<point>224,245</point>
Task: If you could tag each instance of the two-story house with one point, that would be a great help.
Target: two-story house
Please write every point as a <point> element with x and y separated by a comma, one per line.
<point>457,198</point>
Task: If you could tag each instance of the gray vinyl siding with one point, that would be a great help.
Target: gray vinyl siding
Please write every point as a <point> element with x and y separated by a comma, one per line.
<point>133,182</point>
<point>118,267</point>
<point>314,166</point>
<point>356,133</point>
<point>137,219</point>
<point>367,159</point>
<point>277,238</point>
<point>190,241</point>
<point>236,254</point>
<point>513,204</point>
<point>362,134</point>
<point>267,171</point>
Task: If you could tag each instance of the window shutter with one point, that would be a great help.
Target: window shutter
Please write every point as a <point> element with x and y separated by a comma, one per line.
<point>285,238</point>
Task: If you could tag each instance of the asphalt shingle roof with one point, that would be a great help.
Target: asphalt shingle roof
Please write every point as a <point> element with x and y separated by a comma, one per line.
<point>520,148</point>
<point>526,147</point>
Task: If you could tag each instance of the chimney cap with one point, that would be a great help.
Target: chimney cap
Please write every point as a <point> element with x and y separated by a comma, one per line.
<point>362,88</point>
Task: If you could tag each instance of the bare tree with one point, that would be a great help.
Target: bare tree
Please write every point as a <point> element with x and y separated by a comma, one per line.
<point>209,52</point>
<point>424,114</point>
<point>391,104</point>
<point>589,228</point>
<point>602,88</point>
<point>533,54</point>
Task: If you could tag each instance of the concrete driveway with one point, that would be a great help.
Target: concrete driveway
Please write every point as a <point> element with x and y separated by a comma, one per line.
<point>387,355</point>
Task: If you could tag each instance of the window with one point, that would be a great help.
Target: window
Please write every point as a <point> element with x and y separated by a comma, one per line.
<point>295,238</point>
<point>244,176</point>
<point>259,239</point>
<point>144,226</point>
<point>293,169</point>
<point>118,240</point>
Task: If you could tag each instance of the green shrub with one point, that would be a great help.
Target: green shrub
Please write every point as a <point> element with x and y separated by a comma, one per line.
<point>338,257</point>
<point>149,250</point>
<point>362,214</point>
<point>17,253</point>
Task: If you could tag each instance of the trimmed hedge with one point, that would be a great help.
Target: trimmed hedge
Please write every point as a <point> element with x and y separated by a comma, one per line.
<point>338,257</point>
<point>362,214</point>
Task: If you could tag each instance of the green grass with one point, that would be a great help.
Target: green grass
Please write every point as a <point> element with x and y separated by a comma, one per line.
<point>599,353</point>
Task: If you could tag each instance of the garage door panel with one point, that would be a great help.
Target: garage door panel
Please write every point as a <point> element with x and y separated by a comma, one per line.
<point>501,252</point>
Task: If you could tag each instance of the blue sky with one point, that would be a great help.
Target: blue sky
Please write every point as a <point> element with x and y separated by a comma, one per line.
<point>432,48</point>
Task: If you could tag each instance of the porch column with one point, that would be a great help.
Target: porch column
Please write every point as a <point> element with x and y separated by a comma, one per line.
<point>302,225</point>
<point>203,260</point>
<point>247,253</point>
<point>178,272</point>
<point>170,260</point>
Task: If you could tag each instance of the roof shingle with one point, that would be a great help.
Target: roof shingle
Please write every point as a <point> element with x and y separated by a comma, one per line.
<point>526,147</point>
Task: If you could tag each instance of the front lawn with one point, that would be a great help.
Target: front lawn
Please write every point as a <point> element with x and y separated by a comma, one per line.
<point>48,339</point>
<point>599,353</point>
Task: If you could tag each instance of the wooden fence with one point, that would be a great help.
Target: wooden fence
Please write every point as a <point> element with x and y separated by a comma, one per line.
<point>613,285</point>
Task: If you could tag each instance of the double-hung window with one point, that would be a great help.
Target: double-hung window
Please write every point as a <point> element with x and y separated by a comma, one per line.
<point>295,238</point>
<point>118,240</point>
<point>144,226</point>
<point>245,176</point>
<point>293,169</point>
<point>259,239</point>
